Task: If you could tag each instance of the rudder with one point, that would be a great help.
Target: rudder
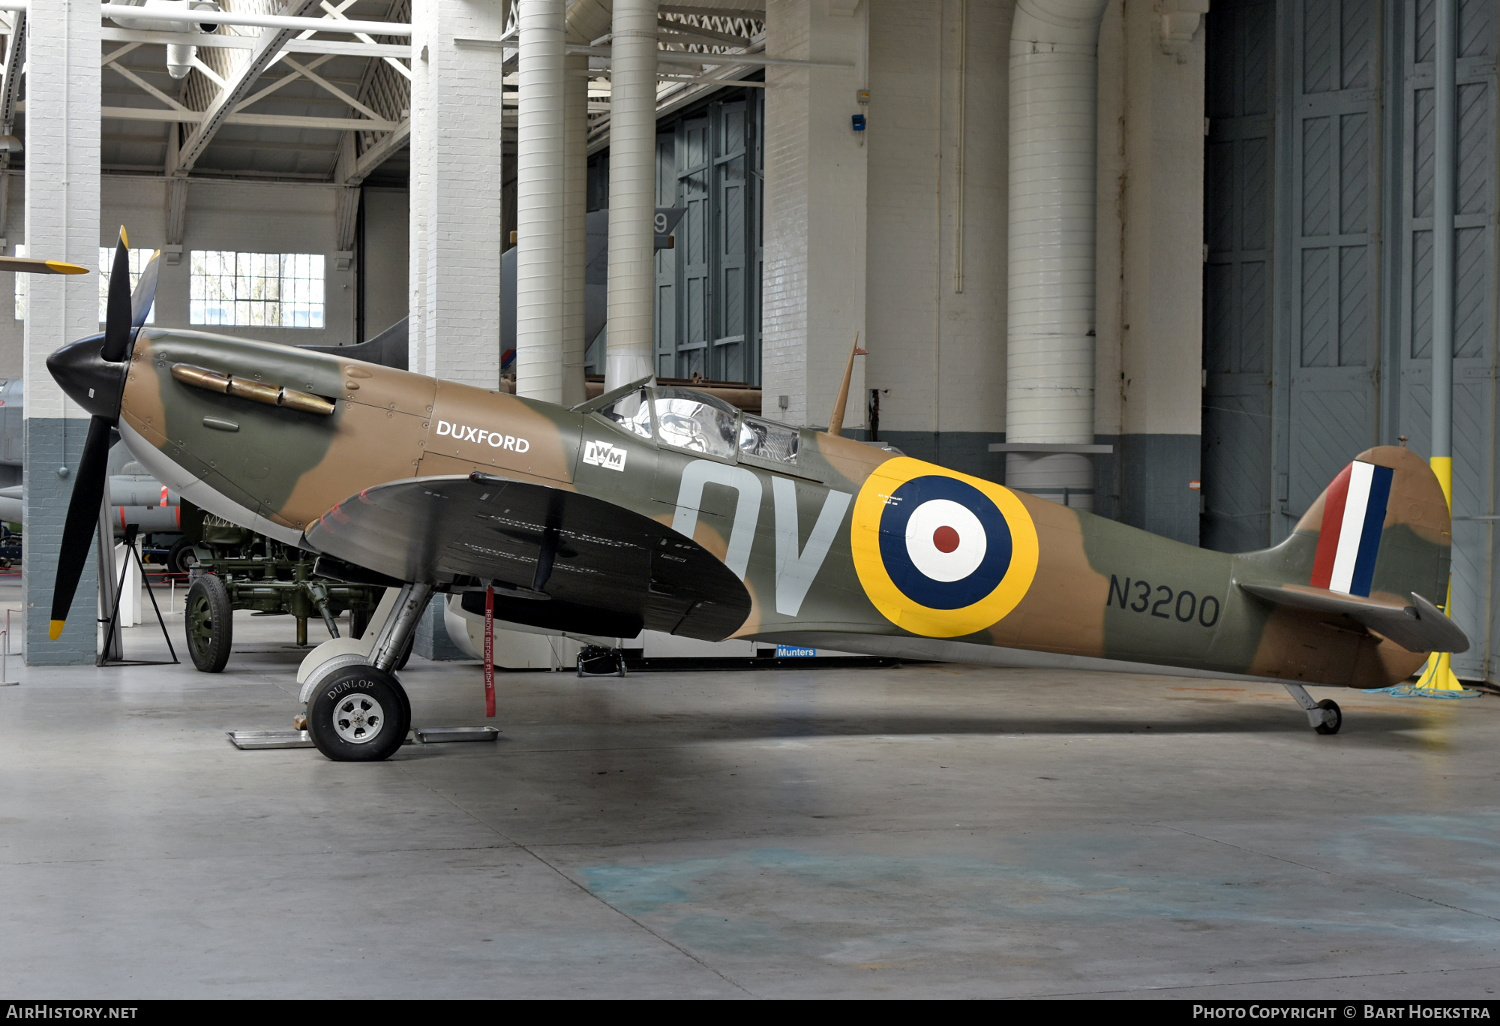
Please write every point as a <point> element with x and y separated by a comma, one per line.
<point>1380,529</point>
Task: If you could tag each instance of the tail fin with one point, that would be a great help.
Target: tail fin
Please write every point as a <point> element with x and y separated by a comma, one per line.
<point>1381,529</point>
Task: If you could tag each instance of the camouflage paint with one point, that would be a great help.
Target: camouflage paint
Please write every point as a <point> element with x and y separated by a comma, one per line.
<point>1074,585</point>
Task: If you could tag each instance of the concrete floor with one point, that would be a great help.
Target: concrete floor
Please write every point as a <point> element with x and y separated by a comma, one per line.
<point>921,831</point>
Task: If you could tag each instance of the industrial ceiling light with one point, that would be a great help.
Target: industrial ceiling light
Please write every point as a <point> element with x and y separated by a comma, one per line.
<point>10,144</point>
<point>180,56</point>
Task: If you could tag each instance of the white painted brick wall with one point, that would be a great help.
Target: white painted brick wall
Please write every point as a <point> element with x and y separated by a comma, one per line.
<point>1149,316</point>
<point>813,283</point>
<point>454,238</point>
<point>387,256</point>
<point>937,353</point>
<point>62,165</point>
<point>62,222</point>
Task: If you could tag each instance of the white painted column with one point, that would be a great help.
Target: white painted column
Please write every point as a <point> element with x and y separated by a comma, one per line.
<point>455,191</point>
<point>455,211</point>
<point>632,193</point>
<point>539,202</point>
<point>575,224</point>
<point>1148,399</point>
<point>813,284</point>
<point>62,222</point>
<point>1054,122</point>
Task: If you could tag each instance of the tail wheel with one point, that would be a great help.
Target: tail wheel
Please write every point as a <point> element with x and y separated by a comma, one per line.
<point>360,714</point>
<point>1333,718</point>
<point>209,623</point>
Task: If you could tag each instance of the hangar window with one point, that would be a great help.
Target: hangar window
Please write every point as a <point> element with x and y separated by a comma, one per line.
<point>693,420</point>
<point>281,290</point>
<point>138,260</point>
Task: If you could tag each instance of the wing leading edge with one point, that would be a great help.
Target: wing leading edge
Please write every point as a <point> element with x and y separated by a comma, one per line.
<point>557,558</point>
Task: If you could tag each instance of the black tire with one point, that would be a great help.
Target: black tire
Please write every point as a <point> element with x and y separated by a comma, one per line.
<point>1338,717</point>
<point>406,652</point>
<point>359,714</point>
<point>359,621</point>
<point>209,623</point>
<point>180,557</point>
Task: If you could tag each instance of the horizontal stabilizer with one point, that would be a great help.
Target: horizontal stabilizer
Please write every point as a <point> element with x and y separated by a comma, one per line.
<point>1419,627</point>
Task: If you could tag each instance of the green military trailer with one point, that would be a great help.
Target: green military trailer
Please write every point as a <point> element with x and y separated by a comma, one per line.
<point>234,568</point>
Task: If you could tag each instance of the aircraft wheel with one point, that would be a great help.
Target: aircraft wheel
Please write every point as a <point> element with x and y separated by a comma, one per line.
<point>1330,725</point>
<point>209,623</point>
<point>359,715</point>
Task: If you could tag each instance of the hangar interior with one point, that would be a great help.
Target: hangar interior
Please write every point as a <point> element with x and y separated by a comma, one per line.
<point>1254,308</point>
<point>1233,296</point>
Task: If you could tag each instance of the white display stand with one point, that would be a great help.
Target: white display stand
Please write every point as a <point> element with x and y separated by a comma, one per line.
<point>130,594</point>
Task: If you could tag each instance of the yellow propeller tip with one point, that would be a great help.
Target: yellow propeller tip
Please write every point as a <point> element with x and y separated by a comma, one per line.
<point>56,631</point>
<point>59,267</point>
<point>124,237</point>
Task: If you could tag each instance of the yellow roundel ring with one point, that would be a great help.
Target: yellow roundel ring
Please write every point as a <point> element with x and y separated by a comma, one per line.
<point>941,554</point>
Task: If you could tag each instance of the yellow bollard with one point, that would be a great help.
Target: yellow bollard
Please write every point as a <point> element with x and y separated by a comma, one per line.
<point>1438,674</point>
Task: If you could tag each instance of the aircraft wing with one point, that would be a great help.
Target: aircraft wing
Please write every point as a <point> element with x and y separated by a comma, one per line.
<point>556,558</point>
<point>1419,627</point>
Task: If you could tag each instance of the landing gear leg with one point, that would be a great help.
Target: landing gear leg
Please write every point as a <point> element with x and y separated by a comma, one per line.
<point>390,643</point>
<point>360,712</point>
<point>1324,716</point>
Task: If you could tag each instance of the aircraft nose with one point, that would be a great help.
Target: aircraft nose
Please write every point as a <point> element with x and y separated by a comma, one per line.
<point>88,378</point>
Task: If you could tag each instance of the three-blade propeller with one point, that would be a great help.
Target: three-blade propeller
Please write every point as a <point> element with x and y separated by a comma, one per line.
<point>124,314</point>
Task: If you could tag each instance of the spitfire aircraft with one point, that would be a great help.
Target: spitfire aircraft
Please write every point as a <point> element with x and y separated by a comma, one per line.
<point>666,509</point>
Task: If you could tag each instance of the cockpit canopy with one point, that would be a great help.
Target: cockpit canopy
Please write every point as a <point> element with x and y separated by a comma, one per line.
<point>685,418</point>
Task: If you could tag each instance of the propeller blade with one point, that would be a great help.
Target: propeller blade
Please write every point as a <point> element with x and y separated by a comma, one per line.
<point>117,311</point>
<point>27,264</point>
<point>83,519</point>
<point>145,291</point>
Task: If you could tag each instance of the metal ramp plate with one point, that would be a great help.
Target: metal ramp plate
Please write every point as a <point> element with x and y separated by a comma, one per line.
<point>252,740</point>
<point>443,735</point>
<point>255,739</point>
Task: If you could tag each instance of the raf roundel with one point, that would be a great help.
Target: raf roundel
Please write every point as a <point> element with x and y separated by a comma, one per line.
<point>941,554</point>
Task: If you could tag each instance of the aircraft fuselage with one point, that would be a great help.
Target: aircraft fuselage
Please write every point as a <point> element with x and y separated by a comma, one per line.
<point>847,545</point>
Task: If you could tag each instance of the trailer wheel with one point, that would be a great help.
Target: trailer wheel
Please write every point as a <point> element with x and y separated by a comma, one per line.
<point>209,622</point>
<point>181,557</point>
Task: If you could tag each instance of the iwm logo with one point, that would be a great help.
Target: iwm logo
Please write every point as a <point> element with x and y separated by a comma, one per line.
<point>603,454</point>
<point>492,438</point>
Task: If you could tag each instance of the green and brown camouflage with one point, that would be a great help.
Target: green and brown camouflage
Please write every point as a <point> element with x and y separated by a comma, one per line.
<point>809,525</point>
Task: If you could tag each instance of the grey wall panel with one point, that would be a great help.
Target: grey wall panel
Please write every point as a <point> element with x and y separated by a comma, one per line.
<point>1236,440</point>
<point>732,252</point>
<point>1474,300</point>
<point>1334,355</point>
<point>1316,334</point>
<point>708,320</point>
<point>666,259</point>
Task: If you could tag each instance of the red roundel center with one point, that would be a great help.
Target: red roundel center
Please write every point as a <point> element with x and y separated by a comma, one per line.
<point>945,539</point>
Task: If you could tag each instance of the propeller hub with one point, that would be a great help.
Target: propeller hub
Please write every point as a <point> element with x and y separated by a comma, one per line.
<point>90,380</point>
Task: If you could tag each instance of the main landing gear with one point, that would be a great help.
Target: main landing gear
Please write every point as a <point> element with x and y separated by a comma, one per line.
<point>357,710</point>
<point>1324,716</point>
